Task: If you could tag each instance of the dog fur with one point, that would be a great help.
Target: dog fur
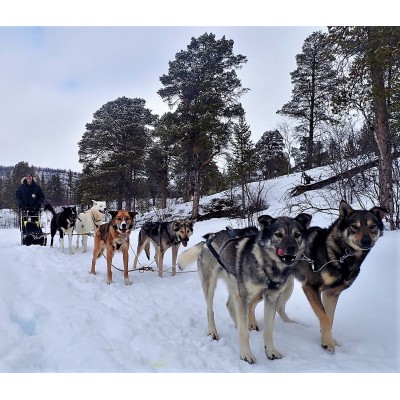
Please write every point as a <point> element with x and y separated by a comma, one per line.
<point>337,253</point>
<point>64,223</point>
<point>114,236</point>
<point>163,235</point>
<point>256,263</point>
<point>88,221</point>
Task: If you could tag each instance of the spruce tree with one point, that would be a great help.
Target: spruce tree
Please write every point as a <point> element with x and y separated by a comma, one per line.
<point>270,150</point>
<point>243,160</point>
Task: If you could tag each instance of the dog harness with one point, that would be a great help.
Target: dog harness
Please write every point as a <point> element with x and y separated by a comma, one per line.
<point>97,222</point>
<point>233,234</point>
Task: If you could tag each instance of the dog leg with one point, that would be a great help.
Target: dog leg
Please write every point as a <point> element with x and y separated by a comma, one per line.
<point>84,242</point>
<point>208,283</point>
<point>70,248</point>
<point>231,306</point>
<point>270,307</point>
<point>77,241</point>
<point>252,314</point>
<point>330,298</point>
<point>110,255</point>
<point>125,257</point>
<point>160,262</point>
<point>174,256</point>
<point>62,241</point>
<point>314,299</point>
<point>242,307</point>
<point>93,269</point>
<point>283,298</point>
<point>138,251</point>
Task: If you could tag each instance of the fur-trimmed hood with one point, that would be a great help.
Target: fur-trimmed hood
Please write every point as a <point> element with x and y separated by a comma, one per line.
<point>23,180</point>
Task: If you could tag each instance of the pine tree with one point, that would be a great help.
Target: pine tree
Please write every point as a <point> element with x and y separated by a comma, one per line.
<point>114,147</point>
<point>203,87</point>
<point>313,81</point>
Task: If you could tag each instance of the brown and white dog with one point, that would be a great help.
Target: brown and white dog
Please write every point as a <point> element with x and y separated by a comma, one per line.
<point>114,236</point>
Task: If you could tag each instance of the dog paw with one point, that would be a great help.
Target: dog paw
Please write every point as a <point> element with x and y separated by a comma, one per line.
<point>127,282</point>
<point>248,357</point>
<point>328,344</point>
<point>273,354</point>
<point>214,335</point>
<point>253,327</point>
<point>328,348</point>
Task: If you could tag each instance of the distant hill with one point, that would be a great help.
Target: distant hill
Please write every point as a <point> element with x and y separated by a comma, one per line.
<point>42,172</point>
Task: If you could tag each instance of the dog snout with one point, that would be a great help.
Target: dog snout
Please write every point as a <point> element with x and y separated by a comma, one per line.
<point>290,249</point>
<point>366,242</point>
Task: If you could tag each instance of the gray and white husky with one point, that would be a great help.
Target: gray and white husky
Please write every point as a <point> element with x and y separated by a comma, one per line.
<point>254,263</point>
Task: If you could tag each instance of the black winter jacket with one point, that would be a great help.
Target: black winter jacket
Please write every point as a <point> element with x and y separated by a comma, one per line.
<point>29,196</point>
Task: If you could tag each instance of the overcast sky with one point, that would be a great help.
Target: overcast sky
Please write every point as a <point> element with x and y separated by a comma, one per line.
<point>61,61</point>
<point>53,79</point>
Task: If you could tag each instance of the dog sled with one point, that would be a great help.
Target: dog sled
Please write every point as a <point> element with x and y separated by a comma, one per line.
<point>30,228</point>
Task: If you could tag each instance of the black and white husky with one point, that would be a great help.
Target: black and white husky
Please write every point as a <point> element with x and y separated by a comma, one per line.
<point>64,223</point>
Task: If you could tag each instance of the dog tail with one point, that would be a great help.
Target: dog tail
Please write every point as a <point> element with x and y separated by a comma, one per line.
<point>48,207</point>
<point>189,256</point>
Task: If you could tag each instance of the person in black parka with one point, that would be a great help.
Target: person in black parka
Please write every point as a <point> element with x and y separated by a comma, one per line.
<point>29,198</point>
<point>29,194</point>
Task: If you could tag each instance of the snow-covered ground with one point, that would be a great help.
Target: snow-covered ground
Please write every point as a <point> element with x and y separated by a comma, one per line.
<point>56,317</point>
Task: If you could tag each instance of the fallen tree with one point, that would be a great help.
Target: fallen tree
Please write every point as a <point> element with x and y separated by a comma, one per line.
<point>297,190</point>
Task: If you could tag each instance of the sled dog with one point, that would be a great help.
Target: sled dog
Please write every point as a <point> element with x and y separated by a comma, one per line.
<point>333,261</point>
<point>88,221</point>
<point>256,262</point>
<point>114,236</point>
<point>64,223</point>
<point>163,235</point>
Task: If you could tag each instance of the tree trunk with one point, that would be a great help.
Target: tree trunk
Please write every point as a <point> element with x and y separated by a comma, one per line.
<point>310,140</point>
<point>243,201</point>
<point>381,134</point>
<point>196,195</point>
<point>297,190</point>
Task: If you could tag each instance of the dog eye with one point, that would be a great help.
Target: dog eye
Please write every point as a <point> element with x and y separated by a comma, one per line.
<point>372,227</point>
<point>296,235</point>
<point>354,227</point>
<point>279,234</point>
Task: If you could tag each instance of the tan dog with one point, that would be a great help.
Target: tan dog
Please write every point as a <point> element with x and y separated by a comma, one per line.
<point>115,237</point>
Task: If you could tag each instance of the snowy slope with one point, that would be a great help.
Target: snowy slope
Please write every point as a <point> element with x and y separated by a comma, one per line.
<point>56,317</point>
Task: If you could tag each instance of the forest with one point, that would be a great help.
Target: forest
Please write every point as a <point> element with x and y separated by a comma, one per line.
<point>344,112</point>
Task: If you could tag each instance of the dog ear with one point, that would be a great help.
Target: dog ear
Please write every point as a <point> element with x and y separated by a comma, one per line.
<point>190,223</point>
<point>379,212</point>
<point>304,220</point>
<point>265,220</point>
<point>113,214</point>
<point>176,226</point>
<point>132,214</point>
<point>344,210</point>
